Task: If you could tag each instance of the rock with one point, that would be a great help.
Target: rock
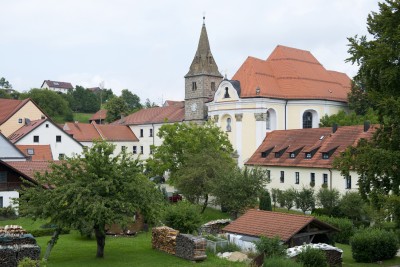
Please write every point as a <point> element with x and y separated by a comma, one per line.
<point>237,256</point>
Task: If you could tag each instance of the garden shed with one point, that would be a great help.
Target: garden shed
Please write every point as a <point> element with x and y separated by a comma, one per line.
<point>292,229</point>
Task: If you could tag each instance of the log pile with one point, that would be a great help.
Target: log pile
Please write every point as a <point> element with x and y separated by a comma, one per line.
<point>164,238</point>
<point>191,247</point>
<point>214,227</point>
<point>16,244</point>
<point>333,257</point>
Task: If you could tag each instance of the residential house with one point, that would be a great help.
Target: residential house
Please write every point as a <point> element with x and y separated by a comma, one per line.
<point>36,152</point>
<point>119,135</point>
<point>9,152</point>
<point>292,229</point>
<point>145,124</point>
<point>12,175</point>
<point>99,117</point>
<point>15,113</point>
<point>46,132</point>
<point>59,87</point>
<point>304,157</point>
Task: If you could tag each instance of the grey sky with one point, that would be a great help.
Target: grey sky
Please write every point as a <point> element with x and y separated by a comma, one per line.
<point>147,46</point>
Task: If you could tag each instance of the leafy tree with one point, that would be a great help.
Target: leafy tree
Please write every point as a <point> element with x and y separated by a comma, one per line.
<point>287,198</point>
<point>271,247</point>
<point>149,104</point>
<point>93,189</point>
<point>4,94</point>
<point>132,100</point>
<point>239,189</point>
<point>52,103</point>
<point>4,84</point>
<point>345,119</point>
<point>274,194</point>
<point>195,155</point>
<point>103,95</point>
<point>83,100</point>
<point>305,199</point>
<point>328,199</point>
<point>116,107</point>
<point>358,100</point>
<point>183,216</point>
<point>265,201</point>
<point>351,205</point>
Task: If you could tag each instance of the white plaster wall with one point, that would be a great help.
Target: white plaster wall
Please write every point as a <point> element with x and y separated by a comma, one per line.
<point>9,152</point>
<point>47,136</point>
<point>8,196</point>
<point>244,245</point>
<point>146,141</point>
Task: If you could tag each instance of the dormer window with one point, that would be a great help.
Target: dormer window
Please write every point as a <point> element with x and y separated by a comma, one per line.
<point>292,155</point>
<point>325,155</point>
<point>279,153</point>
<point>328,153</point>
<point>265,153</point>
<point>308,155</point>
<point>226,93</point>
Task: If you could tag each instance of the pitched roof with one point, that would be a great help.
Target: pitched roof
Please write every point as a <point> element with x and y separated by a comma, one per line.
<point>29,168</point>
<point>101,114</point>
<point>24,130</point>
<point>203,62</point>
<point>291,73</point>
<point>174,113</point>
<point>9,106</point>
<point>55,84</point>
<point>40,152</point>
<point>87,132</point>
<point>322,139</point>
<point>8,150</point>
<point>270,224</point>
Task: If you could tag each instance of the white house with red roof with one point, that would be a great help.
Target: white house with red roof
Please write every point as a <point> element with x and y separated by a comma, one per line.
<point>9,152</point>
<point>119,135</point>
<point>60,87</point>
<point>46,132</point>
<point>300,158</point>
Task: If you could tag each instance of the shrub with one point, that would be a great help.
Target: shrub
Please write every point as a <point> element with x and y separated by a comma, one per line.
<point>28,262</point>
<point>183,216</point>
<point>271,247</point>
<point>328,199</point>
<point>265,201</point>
<point>312,257</point>
<point>345,226</point>
<point>46,232</point>
<point>7,212</point>
<point>231,247</point>
<point>370,245</point>
<point>281,262</point>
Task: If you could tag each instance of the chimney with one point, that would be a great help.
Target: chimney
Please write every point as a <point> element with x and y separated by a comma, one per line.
<point>27,121</point>
<point>334,127</point>
<point>366,126</point>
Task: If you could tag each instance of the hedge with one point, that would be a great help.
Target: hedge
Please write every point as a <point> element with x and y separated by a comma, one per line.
<point>345,226</point>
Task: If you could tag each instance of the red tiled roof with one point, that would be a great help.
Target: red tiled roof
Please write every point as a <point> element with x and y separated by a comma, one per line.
<point>101,114</point>
<point>89,132</point>
<point>168,103</point>
<point>24,130</point>
<point>291,73</point>
<point>9,106</point>
<point>55,84</point>
<point>322,139</point>
<point>40,152</point>
<point>29,168</point>
<point>270,224</point>
<point>174,113</point>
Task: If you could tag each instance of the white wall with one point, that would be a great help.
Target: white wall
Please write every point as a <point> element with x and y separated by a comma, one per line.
<point>9,152</point>
<point>47,136</point>
<point>8,196</point>
<point>146,140</point>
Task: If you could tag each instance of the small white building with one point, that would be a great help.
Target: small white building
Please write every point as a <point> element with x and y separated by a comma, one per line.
<point>60,87</point>
<point>303,157</point>
<point>46,132</point>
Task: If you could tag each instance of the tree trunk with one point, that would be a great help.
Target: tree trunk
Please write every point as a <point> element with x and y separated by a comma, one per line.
<point>205,203</point>
<point>101,240</point>
<point>51,243</point>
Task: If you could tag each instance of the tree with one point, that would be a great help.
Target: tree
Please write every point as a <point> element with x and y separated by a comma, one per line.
<point>346,119</point>
<point>132,100</point>
<point>238,189</point>
<point>4,94</point>
<point>83,100</point>
<point>328,199</point>
<point>195,155</point>
<point>351,205</point>
<point>149,104</point>
<point>52,103</point>
<point>4,84</point>
<point>305,199</point>
<point>116,107</point>
<point>287,198</point>
<point>265,201</point>
<point>94,189</point>
<point>275,192</point>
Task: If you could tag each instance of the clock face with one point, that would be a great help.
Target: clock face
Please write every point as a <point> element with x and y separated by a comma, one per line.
<point>194,107</point>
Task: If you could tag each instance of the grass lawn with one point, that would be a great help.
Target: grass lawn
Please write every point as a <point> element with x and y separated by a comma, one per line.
<point>211,214</point>
<point>82,117</point>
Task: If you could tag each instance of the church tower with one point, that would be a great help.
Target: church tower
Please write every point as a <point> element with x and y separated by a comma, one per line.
<point>201,81</point>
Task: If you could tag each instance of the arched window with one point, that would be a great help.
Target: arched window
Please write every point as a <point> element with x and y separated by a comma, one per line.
<point>268,120</point>
<point>226,93</point>
<point>228,125</point>
<point>307,119</point>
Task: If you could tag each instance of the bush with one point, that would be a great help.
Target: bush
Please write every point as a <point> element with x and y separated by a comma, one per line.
<point>265,201</point>
<point>271,247</point>
<point>8,213</point>
<point>183,216</point>
<point>371,245</point>
<point>312,257</point>
<point>46,232</point>
<point>231,247</point>
<point>345,226</point>
<point>281,262</point>
<point>28,262</point>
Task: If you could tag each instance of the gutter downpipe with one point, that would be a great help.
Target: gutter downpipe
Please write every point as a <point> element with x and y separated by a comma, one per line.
<point>286,113</point>
<point>330,178</point>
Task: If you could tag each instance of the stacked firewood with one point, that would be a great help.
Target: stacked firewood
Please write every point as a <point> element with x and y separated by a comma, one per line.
<point>15,245</point>
<point>333,257</point>
<point>191,247</point>
<point>214,227</point>
<point>164,238</point>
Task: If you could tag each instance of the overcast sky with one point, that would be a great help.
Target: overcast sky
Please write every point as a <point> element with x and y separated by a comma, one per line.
<point>148,46</point>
